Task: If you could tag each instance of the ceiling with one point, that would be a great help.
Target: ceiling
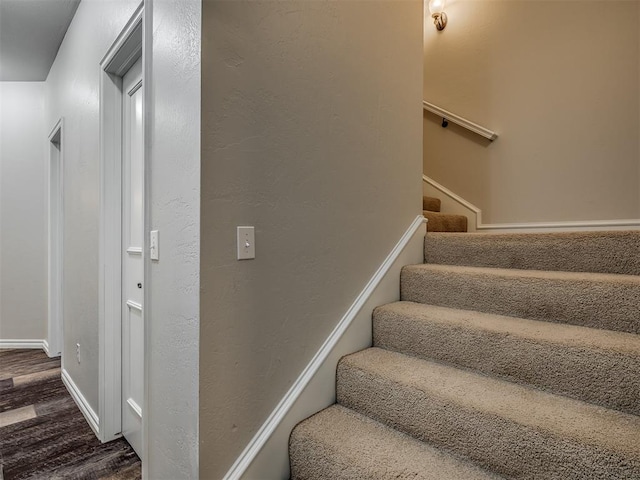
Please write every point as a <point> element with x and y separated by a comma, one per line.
<point>31,32</point>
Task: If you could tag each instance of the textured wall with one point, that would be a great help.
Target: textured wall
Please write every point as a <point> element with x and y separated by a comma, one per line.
<point>173,308</point>
<point>311,121</point>
<point>23,211</point>
<point>559,82</point>
<point>73,92</point>
<point>173,104</point>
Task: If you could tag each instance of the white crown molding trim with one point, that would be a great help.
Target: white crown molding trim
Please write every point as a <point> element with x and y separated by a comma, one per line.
<point>535,227</point>
<point>266,456</point>
<point>83,405</point>
<point>25,343</point>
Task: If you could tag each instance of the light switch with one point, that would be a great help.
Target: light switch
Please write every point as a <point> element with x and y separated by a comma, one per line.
<point>154,245</point>
<point>246,243</point>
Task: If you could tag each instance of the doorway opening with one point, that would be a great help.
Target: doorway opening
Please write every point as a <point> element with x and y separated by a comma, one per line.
<point>55,338</point>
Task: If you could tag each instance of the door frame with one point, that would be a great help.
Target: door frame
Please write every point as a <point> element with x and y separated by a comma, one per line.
<point>126,49</point>
<point>55,318</point>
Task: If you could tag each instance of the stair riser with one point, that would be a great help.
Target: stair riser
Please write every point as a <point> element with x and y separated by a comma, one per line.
<point>602,252</point>
<point>495,443</point>
<point>438,222</point>
<point>609,305</point>
<point>431,203</point>
<point>609,379</point>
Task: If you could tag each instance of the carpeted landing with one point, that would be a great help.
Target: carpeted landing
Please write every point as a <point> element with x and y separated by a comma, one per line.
<point>508,356</point>
<point>43,435</point>
<point>441,222</point>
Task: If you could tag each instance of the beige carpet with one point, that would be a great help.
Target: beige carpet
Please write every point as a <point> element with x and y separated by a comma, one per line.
<point>441,222</point>
<point>486,371</point>
<point>431,203</point>
<point>600,252</point>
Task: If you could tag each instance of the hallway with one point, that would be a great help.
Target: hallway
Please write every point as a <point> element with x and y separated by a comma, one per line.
<point>42,432</point>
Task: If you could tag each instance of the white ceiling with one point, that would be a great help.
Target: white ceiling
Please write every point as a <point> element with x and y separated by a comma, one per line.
<point>31,32</point>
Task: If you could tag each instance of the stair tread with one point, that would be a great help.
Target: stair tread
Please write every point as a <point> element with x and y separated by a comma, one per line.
<point>473,414</point>
<point>601,251</point>
<point>562,334</point>
<point>599,300</point>
<point>594,365</point>
<point>530,273</point>
<point>339,443</point>
<point>511,354</point>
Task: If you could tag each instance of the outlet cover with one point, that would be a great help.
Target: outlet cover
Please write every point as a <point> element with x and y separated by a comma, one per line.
<point>246,243</point>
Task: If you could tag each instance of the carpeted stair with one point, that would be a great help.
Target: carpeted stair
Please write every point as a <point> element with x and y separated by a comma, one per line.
<point>441,222</point>
<point>508,356</point>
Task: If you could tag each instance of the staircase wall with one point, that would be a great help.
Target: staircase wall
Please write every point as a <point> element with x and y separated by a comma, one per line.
<point>311,112</point>
<point>545,77</point>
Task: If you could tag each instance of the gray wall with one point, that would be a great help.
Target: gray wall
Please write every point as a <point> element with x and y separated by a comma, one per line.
<point>173,307</point>
<point>173,125</point>
<point>559,82</point>
<point>23,212</point>
<point>312,132</point>
<point>73,92</point>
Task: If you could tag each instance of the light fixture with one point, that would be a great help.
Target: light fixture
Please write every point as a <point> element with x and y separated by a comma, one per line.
<point>436,7</point>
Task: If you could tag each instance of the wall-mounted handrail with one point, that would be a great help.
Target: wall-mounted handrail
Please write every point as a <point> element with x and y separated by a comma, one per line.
<point>463,122</point>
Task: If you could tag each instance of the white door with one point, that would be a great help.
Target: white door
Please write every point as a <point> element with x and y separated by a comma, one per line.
<point>132,258</point>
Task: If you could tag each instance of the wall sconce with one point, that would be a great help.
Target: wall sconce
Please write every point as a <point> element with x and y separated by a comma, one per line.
<point>436,7</point>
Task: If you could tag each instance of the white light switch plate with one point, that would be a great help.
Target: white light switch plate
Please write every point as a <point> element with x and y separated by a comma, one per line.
<point>246,243</point>
<point>154,245</point>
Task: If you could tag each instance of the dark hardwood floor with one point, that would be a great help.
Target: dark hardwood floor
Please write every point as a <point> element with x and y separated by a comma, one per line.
<point>43,434</point>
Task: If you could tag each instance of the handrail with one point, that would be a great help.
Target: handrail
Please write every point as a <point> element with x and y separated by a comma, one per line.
<point>463,122</point>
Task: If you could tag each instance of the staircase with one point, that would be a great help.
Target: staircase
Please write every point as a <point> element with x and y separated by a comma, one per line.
<point>508,356</point>
<point>441,222</point>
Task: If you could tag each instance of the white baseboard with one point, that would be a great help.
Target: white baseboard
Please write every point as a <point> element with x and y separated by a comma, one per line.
<point>267,454</point>
<point>542,227</point>
<point>50,353</point>
<point>25,343</point>
<point>89,414</point>
<point>475,218</point>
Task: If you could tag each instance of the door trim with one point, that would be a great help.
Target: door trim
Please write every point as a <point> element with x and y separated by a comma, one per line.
<point>55,317</point>
<point>127,48</point>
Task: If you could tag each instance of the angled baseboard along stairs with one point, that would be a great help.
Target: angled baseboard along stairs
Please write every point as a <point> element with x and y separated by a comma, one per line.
<point>508,356</point>
<point>441,222</point>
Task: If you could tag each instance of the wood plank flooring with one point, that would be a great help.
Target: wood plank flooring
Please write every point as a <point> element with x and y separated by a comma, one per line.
<point>43,434</point>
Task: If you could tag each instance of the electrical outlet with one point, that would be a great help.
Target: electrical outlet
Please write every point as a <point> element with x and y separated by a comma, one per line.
<point>78,352</point>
